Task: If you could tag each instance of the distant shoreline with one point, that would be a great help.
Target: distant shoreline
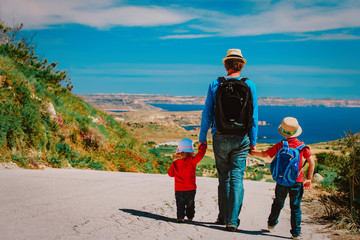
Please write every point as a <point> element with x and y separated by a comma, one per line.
<point>141,102</point>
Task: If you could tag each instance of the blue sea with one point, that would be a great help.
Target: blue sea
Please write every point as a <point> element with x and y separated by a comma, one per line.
<point>319,124</point>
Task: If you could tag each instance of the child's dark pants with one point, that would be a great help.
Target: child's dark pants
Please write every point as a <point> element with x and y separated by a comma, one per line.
<point>185,204</point>
<point>295,192</point>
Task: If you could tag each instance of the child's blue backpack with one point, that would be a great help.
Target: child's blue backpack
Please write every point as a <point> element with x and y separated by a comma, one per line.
<point>284,167</point>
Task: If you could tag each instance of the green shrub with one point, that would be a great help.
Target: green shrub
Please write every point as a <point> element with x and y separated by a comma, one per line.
<point>20,161</point>
<point>343,174</point>
<point>167,150</point>
<point>96,165</point>
<point>256,172</point>
<point>149,168</point>
<point>325,158</point>
<point>162,161</point>
<point>206,170</point>
<point>270,180</point>
<point>156,152</point>
<point>319,168</point>
<point>56,162</point>
<point>329,179</point>
<point>64,149</point>
<point>81,162</point>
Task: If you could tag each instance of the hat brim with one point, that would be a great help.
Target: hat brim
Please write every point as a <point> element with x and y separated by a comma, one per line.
<point>298,132</point>
<point>184,150</point>
<point>242,59</point>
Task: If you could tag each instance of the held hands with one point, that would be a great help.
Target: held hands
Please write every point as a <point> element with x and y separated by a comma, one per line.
<point>252,149</point>
<point>252,152</point>
<point>203,143</point>
<point>307,184</point>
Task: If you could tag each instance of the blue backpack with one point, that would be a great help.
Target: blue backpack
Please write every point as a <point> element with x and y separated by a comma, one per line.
<point>284,167</point>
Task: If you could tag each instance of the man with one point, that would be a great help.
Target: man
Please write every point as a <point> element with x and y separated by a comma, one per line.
<point>230,150</point>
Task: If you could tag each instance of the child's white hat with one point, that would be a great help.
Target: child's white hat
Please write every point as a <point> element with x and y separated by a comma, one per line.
<point>185,145</point>
<point>290,127</point>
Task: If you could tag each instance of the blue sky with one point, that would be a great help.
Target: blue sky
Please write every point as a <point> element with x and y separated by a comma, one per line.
<point>297,48</point>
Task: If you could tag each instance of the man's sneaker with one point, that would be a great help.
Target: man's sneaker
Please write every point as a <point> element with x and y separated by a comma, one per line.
<point>189,219</point>
<point>230,228</point>
<point>298,237</point>
<point>218,221</point>
<point>180,220</point>
<point>270,228</point>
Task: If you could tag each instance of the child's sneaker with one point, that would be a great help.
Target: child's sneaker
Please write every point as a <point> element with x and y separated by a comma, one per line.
<point>230,228</point>
<point>270,228</point>
<point>180,220</point>
<point>298,237</point>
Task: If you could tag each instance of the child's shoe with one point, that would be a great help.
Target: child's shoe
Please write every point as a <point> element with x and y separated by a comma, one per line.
<point>270,228</point>
<point>298,237</point>
<point>230,228</point>
<point>180,220</point>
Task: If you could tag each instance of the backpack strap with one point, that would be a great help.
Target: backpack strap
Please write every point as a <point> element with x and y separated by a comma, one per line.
<point>300,148</point>
<point>285,144</point>
<point>221,80</point>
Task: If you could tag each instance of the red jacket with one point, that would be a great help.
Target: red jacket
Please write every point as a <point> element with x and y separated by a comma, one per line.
<point>293,143</point>
<point>184,170</point>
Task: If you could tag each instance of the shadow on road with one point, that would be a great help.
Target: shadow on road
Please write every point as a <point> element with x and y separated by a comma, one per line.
<point>212,225</point>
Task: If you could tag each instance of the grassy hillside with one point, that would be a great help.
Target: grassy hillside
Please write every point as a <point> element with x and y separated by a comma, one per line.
<point>42,122</point>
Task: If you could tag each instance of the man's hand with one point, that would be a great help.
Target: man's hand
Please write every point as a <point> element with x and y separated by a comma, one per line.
<point>252,147</point>
<point>203,143</point>
<point>307,184</point>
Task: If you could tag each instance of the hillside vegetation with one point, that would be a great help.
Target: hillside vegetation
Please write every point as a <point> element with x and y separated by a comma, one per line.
<point>43,123</point>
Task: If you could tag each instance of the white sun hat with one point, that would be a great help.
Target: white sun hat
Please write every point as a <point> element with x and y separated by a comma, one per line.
<point>185,145</point>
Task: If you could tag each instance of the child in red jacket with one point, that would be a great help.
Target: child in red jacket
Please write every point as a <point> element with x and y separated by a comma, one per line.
<point>184,172</point>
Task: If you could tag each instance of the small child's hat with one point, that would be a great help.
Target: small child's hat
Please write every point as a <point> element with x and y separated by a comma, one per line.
<point>185,145</point>
<point>290,127</point>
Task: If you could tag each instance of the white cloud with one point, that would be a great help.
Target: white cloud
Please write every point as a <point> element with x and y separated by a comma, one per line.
<point>325,37</point>
<point>187,36</point>
<point>283,17</point>
<point>37,14</point>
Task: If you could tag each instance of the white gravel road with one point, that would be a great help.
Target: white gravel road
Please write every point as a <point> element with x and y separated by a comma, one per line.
<point>83,204</point>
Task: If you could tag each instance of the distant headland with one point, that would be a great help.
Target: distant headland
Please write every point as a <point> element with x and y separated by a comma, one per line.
<point>137,102</point>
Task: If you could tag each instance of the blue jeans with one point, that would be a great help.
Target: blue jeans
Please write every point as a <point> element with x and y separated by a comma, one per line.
<point>185,204</point>
<point>230,156</point>
<point>295,192</point>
